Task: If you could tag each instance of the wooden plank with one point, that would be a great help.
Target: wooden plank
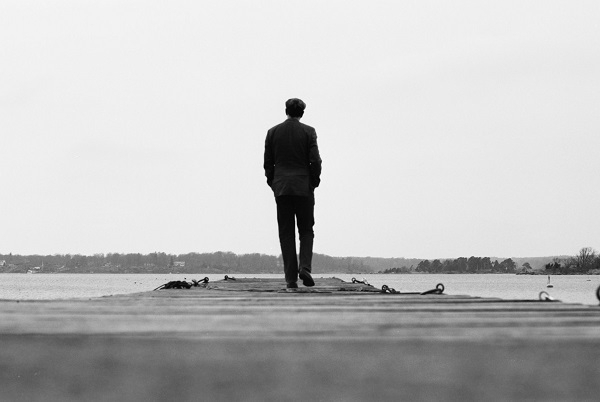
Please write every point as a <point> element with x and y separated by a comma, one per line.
<point>238,341</point>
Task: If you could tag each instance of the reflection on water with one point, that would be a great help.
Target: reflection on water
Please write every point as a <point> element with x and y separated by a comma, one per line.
<point>568,288</point>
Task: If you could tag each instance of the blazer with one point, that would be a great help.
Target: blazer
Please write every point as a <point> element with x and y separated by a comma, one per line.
<point>292,162</point>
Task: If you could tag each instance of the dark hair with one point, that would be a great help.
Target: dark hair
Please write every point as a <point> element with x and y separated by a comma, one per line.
<point>294,107</point>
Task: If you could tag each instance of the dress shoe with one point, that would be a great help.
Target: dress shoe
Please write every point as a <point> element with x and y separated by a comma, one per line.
<point>307,280</point>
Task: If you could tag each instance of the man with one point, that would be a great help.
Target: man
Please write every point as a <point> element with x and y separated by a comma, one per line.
<point>293,169</point>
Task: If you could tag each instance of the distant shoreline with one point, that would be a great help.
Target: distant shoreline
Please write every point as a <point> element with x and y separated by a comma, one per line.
<point>227,263</point>
<point>314,273</point>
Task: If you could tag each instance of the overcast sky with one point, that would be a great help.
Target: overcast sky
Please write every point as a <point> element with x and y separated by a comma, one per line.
<point>446,128</point>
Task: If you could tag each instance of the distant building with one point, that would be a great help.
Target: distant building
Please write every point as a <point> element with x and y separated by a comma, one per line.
<point>2,263</point>
<point>179,264</point>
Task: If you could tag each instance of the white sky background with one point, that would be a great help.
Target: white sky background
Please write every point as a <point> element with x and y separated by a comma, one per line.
<point>446,129</point>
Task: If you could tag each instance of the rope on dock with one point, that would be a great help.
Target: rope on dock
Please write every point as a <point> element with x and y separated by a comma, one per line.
<point>183,284</point>
<point>175,285</point>
<point>364,281</point>
<point>201,282</point>
<point>439,289</point>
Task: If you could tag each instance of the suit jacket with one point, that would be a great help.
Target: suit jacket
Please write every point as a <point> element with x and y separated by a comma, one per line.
<point>292,161</point>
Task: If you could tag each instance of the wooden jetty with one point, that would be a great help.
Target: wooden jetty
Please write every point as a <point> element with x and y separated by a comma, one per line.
<point>254,340</point>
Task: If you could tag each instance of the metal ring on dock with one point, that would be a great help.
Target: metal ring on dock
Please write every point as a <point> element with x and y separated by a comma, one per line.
<point>598,293</point>
<point>439,289</point>
<point>387,289</point>
<point>229,278</point>
<point>544,296</point>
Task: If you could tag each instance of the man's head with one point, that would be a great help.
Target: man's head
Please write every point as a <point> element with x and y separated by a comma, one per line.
<point>294,107</point>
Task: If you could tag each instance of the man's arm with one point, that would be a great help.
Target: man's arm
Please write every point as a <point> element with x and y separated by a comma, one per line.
<point>269,162</point>
<point>314,159</point>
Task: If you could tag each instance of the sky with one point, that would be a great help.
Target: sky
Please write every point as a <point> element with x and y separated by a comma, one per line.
<point>446,129</point>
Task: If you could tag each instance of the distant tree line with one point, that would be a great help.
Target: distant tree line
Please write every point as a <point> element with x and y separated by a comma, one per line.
<point>159,262</point>
<point>586,262</point>
<point>462,265</point>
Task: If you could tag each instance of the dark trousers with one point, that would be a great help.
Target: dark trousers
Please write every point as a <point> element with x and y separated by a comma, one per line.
<point>289,209</point>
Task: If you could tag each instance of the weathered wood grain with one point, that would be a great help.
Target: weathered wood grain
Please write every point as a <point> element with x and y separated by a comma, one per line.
<point>255,340</point>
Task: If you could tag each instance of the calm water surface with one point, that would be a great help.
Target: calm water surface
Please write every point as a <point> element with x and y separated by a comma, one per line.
<point>572,288</point>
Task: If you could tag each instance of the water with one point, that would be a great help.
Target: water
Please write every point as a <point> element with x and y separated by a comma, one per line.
<point>571,288</point>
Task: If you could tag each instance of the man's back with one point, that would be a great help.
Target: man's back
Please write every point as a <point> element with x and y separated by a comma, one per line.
<point>292,162</point>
